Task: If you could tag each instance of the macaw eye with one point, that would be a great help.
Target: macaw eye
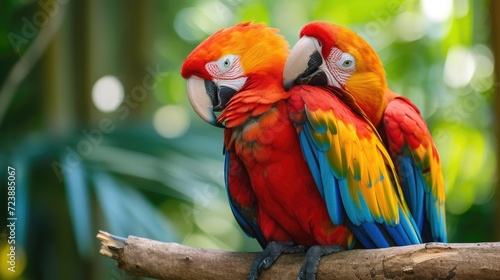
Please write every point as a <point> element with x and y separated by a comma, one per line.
<point>347,61</point>
<point>226,62</point>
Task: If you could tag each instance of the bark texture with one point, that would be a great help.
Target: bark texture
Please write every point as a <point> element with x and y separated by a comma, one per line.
<point>150,258</point>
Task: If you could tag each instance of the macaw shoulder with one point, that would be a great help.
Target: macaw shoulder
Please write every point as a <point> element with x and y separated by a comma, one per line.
<point>262,136</point>
<point>405,125</point>
<point>323,108</point>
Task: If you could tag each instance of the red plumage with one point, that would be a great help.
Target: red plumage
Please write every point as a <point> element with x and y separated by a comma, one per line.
<point>280,189</point>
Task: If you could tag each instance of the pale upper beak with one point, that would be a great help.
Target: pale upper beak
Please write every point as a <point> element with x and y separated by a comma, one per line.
<point>206,98</point>
<point>200,100</point>
<point>302,64</point>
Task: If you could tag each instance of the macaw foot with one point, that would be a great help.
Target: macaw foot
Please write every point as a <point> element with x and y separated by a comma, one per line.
<point>266,258</point>
<point>311,262</point>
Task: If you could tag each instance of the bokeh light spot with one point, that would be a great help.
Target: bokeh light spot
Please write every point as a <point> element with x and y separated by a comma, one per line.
<point>194,24</point>
<point>437,11</point>
<point>461,8</point>
<point>107,93</point>
<point>171,121</point>
<point>484,61</point>
<point>410,26</point>
<point>459,67</point>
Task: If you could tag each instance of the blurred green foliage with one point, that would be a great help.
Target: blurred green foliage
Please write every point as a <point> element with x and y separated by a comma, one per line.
<point>150,167</point>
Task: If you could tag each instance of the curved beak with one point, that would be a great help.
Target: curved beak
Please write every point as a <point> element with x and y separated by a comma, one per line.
<point>206,98</point>
<point>302,64</point>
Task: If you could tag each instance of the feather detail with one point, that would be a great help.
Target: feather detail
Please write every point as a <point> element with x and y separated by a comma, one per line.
<point>400,153</point>
<point>351,168</point>
<point>271,191</point>
<point>242,107</point>
<point>259,46</point>
<point>368,93</point>
<point>419,167</point>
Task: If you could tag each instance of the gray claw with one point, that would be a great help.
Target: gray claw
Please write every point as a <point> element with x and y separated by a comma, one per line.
<point>266,258</point>
<point>311,261</point>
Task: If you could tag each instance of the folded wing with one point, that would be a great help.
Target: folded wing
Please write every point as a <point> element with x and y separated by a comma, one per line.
<point>351,168</point>
<point>418,165</point>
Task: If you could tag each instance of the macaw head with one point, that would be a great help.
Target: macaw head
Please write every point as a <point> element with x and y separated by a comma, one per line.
<point>230,61</point>
<point>333,56</point>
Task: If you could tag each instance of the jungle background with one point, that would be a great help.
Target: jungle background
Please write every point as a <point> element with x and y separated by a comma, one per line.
<point>95,121</point>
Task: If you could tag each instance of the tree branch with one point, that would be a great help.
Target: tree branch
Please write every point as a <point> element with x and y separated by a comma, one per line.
<point>150,258</point>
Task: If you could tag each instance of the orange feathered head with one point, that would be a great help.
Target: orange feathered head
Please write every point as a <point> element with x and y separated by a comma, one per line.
<point>334,56</point>
<point>336,36</point>
<point>230,61</point>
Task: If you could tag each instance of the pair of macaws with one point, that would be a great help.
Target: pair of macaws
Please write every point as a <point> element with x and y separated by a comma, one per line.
<point>320,154</point>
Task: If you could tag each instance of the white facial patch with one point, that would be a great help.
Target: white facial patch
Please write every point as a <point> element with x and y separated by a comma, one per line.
<point>341,66</point>
<point>227,71</point>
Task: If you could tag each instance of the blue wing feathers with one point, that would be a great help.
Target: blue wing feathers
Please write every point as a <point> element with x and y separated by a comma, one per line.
<point>332,200</point>
<point>368,217</point>
<point>376,235</point>
<point>349,206</point>
<point>428,218</point>
<point>409,226</point>
<point>397,234</point>
<point>361,235</point>
<point>413,188</point>
<point>436,221</point>
<point>323,176</point>
<point>311,158</point>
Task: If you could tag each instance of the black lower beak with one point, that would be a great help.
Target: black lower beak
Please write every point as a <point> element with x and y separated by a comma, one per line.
<point>316,79</point>
<point>312,75</point>
<point>219,95</point>
<point>313,64</point>
<point>224,94</point>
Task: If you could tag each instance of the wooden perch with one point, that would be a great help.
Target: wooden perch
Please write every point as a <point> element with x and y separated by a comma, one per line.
<point>150,258</point>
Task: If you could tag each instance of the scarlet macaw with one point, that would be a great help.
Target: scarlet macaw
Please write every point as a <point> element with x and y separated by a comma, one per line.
<point>332,56</point>
<point>303,170</point>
